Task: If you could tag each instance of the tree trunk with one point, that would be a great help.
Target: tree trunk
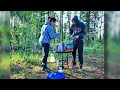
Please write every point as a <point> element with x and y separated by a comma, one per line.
<point>80,14</point>
<point>62,25</point>
<point>69,16</point>
<point>53,15</point>
<point>94,24</point>
<point>101,28</point>
<point>88,41</point>
<point>48,13</point>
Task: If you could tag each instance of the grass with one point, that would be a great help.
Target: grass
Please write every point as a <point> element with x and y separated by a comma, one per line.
<point>97,48</point>
<point>28,67</point>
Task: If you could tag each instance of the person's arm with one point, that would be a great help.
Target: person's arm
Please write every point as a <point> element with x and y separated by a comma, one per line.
<point>81,35</point>
<point>51,33</point>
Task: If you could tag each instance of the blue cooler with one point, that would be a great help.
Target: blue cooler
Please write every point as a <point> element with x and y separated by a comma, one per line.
<point>56,75</point>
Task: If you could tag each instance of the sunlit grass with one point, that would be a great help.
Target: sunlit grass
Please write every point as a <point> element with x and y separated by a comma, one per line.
<point>36,69</point>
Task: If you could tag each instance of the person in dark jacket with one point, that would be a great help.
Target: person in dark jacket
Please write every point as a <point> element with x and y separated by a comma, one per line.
<point>77,30</point>
<point>47,34</point>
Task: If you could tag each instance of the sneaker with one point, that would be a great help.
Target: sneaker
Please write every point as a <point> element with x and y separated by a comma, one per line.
<point>43,64</point>
<point>46,69</point>
<point>81,66</point>
<point>74,67</point>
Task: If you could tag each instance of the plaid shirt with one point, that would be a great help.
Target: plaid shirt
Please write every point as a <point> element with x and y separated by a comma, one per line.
<point>47,33</point>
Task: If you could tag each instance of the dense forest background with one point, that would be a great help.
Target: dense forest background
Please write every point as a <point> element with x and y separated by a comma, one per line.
<point>26,52</point>
<point>24,29</point>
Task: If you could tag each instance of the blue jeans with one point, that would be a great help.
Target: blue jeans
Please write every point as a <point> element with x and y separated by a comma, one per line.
<point>46,47</point>
<point>79,45</point>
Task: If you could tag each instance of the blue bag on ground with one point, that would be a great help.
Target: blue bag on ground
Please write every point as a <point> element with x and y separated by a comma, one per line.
<point>56,75</point>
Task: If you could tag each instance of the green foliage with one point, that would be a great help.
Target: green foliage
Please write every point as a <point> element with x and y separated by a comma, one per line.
<point>25,32</point>
<point>96,47</point>
<point>29,67</point>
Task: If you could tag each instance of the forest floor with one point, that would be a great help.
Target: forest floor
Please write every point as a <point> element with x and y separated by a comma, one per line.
<point>93,68</point>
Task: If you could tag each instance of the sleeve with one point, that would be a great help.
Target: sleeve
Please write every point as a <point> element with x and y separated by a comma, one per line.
<point>51,33</point>
<point>81,35</point>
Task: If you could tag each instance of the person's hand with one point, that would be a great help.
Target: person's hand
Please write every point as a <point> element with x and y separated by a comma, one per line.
<point>77,36</point>
<point>69,35</point>
<point>59,33</point>
<point>79,29</point>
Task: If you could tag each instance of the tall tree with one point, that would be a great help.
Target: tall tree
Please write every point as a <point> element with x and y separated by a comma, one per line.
<point>69,16</point>
<point>53,15</point>
<point>88,26</point>
<point>80,12</point>
<point>48,13</point>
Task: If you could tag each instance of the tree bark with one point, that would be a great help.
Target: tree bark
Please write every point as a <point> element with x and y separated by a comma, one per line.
<point>88,41</point>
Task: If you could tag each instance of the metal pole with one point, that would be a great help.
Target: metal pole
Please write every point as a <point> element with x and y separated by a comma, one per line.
<point>68,14</point>
<point>62,34</point>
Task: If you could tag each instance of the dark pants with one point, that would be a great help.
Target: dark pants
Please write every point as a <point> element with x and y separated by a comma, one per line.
<point>46,47</point>
<point>79,45</point>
